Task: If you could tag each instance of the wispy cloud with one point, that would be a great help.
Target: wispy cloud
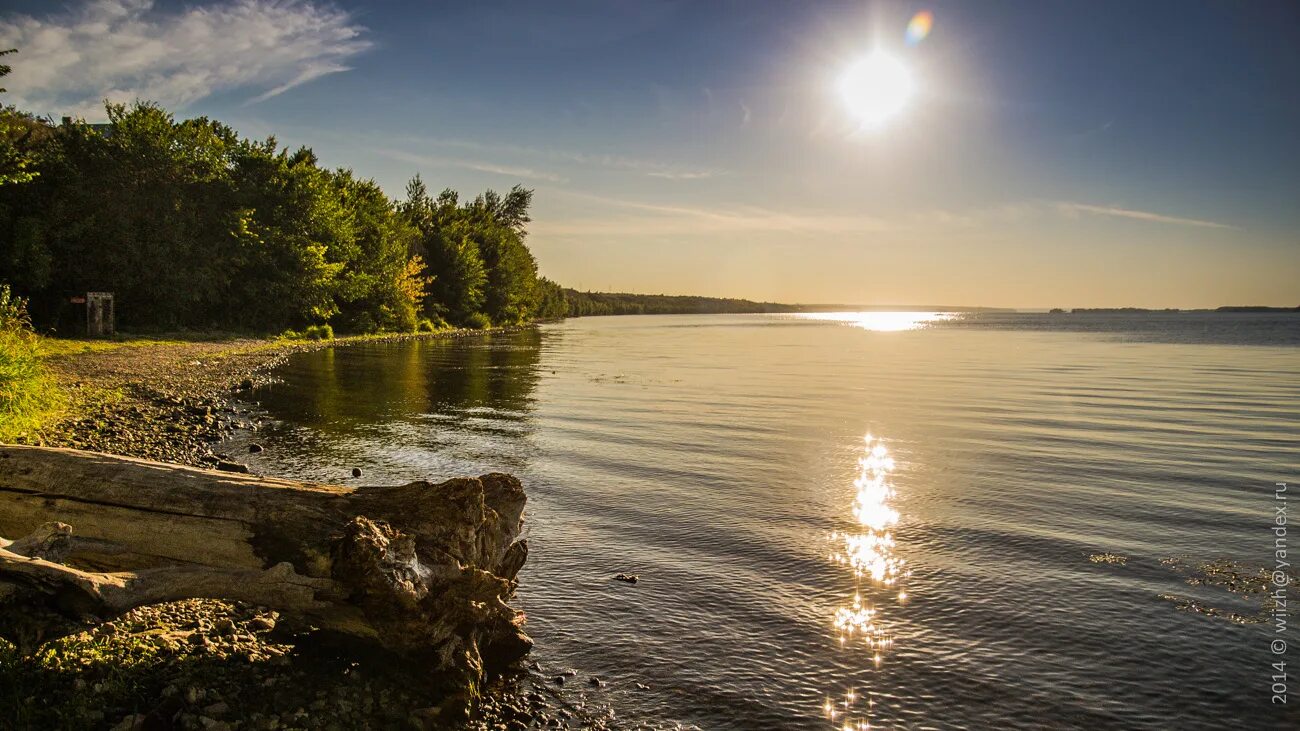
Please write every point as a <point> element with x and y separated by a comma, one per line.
<point>650,168</point>
<point>624,216</point>
<point>996,215</point>
<point>69,61</point>
<point>1074,209</point>
<point>510,170</point>
<point>481,166</point>
<point>685,175</point>
<point>675,219</point>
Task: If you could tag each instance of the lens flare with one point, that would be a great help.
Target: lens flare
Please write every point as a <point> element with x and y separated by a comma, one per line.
<point>919,27</point>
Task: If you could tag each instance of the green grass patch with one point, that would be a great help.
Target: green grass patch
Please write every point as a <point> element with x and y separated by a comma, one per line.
<point>29,396</point>
<point>57,347</point>
<point>68,683</point>
<point>61,347</point>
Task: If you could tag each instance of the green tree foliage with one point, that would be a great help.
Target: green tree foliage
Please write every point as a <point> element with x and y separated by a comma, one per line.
<point>192,226</point>
<point>292,237</point>
<point>15,131</point>
<point>383,283</point>
<point>549,300</point>
<point>483,271</point>
<point>456,292</point>
<point>141,211</point>
<point>498,230</point>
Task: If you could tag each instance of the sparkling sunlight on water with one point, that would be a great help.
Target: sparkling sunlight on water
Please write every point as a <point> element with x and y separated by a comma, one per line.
<point>868,550</point>
<point>883,321</point>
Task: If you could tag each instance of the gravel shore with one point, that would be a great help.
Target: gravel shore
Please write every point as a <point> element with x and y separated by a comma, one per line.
<point>204,664</point>
<point>176,401</point>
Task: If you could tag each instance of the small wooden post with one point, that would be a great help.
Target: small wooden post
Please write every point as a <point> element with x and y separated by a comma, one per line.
<point>99,314</point>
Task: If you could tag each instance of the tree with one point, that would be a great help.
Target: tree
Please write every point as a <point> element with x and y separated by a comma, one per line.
<point>14,161</point>
<point>445,239</point>
<point>383,282</point>
<point>510,211</point>
<point>131,212</point>
<point>291,242</point>
<point>192,226</point>
<point>511,275</point>
<point>549,300</point>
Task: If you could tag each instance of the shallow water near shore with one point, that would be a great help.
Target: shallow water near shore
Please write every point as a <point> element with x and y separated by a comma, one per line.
<point>916,521</point>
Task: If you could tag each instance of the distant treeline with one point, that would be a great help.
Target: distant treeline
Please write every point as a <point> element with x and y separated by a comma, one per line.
<point>190,225</point>
<point>1133,310</point>
<point>1115,310</point>
<point>582,304</point>
<point>1255,308</point>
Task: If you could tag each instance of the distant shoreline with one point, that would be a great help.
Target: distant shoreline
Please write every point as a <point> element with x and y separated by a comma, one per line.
<point>588,304</point>
<point>1141,310</point>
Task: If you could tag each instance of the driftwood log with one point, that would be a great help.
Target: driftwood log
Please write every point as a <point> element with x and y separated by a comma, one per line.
<point>423,570</point>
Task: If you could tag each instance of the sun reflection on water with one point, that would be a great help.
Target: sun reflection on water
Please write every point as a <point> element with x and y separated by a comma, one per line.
<point>883,321</point>
<point>868,551</point>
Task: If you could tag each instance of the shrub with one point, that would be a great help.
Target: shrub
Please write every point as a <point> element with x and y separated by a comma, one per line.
<point>290,334</point>
<point>478,321</point>
<point>425,325</point>
<point>27,393</point>
<point>13,312</point>
<point>319,332</point>
<point>364,323</point>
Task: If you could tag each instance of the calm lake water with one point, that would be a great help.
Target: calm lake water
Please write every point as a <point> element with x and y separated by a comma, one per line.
<point>842,519</point>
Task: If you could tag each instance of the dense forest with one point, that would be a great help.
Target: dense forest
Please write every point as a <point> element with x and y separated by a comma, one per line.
<point>621,303</point>
<point>192,226</point>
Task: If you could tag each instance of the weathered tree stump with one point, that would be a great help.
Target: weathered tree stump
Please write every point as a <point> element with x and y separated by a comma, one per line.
<point>423,570</point>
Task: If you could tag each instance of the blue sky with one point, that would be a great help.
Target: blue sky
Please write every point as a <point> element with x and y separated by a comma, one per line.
<point>1053,153</point>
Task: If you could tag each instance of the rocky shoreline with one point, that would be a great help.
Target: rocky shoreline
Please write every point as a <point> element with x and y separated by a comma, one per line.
<point>175,402</point>
<point>203,664</point>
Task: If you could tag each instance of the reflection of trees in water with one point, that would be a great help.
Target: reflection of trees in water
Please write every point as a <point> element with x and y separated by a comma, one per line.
<point>499,373</point>
<point>341,390</point>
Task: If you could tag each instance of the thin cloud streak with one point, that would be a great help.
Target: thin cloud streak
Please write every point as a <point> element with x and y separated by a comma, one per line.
<point>311,73</point>
<point>484,167</point>
<point>612,162</point>
<point>667,219</point>
<point>122,50</point>
<point>681,176</point>
<point>1073,209</point>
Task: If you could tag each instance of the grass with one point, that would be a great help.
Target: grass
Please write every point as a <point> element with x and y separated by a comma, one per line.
<point>56,347</point>
<point>59,347</point>
<point>29,396</point>
<point>84,672</point>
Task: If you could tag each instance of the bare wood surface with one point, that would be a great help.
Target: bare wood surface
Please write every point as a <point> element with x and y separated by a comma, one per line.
<point>421,569</point>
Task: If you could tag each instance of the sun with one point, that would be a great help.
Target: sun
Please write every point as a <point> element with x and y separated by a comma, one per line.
<point>875,88</point>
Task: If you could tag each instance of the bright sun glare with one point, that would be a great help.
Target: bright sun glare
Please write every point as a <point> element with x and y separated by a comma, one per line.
<point>875,88</point>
